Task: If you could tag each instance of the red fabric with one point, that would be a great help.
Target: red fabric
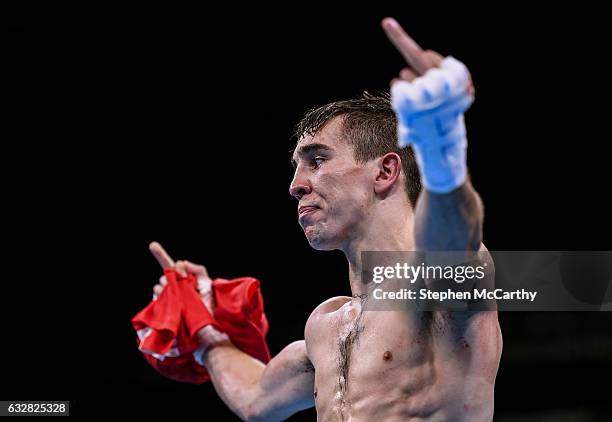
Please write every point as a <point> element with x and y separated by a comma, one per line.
<point>167,327</point>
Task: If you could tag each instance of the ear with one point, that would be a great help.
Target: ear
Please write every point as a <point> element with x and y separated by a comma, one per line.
<point>389,168</point>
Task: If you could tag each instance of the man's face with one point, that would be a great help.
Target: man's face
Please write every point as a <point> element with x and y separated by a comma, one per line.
<point>334,192</point>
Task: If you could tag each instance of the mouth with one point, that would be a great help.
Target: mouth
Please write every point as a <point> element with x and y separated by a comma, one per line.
<point>306,210</point>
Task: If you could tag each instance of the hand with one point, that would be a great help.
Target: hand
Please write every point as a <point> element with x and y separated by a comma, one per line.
<point>183,268</point>
<point>420,60</point>
<point>429,99</point>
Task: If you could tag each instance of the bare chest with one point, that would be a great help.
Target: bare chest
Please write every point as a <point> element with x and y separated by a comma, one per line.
<point>357,353</point>
<point>373,363</point>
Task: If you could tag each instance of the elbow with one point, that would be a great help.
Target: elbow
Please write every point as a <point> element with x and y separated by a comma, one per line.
<point>254,412</point>
<point>257,414</point>
<point>251,413</point>
<point>257,417</point>
<point>252,418</point>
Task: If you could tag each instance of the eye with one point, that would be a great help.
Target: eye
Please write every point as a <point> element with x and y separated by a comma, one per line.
<point>316,161</point>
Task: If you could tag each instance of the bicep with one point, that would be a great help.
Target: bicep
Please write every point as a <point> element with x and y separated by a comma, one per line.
<point>287,383</point>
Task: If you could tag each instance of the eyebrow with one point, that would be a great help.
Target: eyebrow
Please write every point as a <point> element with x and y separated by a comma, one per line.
<point>308,150</point>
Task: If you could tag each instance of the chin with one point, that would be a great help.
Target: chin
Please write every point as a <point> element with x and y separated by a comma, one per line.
<point>320,246</point>
<point>319,241</point>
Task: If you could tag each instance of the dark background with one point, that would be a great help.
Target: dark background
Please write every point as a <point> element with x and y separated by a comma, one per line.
<point>126,124</point>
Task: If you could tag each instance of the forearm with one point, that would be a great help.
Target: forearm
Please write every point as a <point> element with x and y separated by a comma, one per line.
<point>449,221</point>
<point>252,390</point>
<point>235,375</point>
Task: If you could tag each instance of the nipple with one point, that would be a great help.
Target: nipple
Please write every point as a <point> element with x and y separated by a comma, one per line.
<point>387,356</point>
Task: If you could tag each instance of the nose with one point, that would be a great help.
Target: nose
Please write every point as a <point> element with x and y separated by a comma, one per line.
<point>300,185</point>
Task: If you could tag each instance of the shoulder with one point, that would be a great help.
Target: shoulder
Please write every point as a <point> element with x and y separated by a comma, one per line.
<point>325,308</point>
<point>330,305</point>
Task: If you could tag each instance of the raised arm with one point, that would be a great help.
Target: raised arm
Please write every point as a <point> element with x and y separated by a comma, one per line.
<point>429,99</point>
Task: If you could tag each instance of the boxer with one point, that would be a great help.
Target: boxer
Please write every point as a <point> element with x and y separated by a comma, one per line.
<point>376,174</point>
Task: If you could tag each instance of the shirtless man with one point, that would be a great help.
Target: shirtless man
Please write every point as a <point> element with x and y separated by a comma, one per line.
<point>357,192</point>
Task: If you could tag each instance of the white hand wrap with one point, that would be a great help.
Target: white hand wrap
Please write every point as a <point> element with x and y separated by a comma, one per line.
<point>430,118</point>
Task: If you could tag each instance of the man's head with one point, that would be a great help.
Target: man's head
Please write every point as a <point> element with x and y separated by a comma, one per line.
<point>347,162</point>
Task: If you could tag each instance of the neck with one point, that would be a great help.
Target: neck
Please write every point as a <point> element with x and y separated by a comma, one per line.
<point>382,231</point>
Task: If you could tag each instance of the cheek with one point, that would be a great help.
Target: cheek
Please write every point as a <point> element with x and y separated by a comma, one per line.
<point>333,190</point>
<point>345,193</point>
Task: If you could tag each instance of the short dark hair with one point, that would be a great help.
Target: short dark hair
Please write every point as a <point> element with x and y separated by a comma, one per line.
<point>370,126</point>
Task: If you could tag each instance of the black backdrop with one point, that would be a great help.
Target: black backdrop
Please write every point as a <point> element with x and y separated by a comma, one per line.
<point>128,124</point>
